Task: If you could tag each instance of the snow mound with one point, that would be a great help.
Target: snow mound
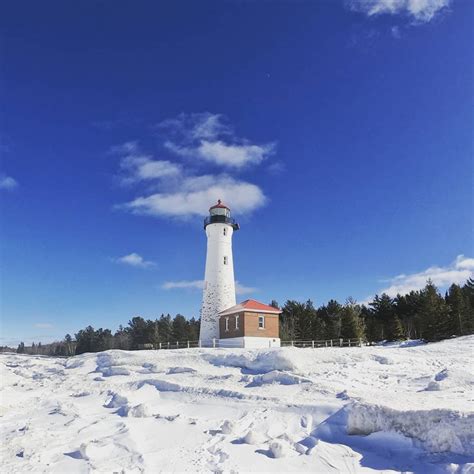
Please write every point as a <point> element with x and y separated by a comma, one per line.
<point>279,449</point>
<point>116,401</point>
<point>451,379</point>
<point>181,370</point>
<point>257,361</point>
<point>278,377</point>
<point>437,430</point>
<point>253,437</point>
<point>228,427</point>
<point>137,411</point>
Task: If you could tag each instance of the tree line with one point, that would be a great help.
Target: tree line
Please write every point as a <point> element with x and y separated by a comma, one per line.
<point>423,314</point>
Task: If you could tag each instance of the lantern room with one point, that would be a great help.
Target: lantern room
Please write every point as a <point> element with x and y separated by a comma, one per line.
<point>220,214</point>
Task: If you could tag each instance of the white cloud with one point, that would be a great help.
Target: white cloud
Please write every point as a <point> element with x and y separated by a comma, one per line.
<point>243,290</point>
<point>136,166</point>
<point>464,263</point>
<point>43,325</point>
<point>277,167</point>
<point>458,272</point>
<point>199,285</point>
<point>194,195</point>
<point>207,137</point>
<point>194,284</point>
<point>196,126</point>
<point>224,154</point>
<point>135,260</point>
<point>7,183</point>
<point>420,10</point>
<point>177,191</point>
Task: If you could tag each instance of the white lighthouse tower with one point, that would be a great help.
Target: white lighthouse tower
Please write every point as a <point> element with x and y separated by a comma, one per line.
<point>219,284</point>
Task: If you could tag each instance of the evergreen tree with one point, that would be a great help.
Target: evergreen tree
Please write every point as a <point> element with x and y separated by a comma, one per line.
<point>351,323</point>
<point>386,321</point>
<point>85,340</point>
<point>305,313</point>
<point>290,319</point>
<point>21,348</point>
<point>193,329</point>
<point>458,311</point>
<point>433,312</point>
<point>165,328</point>
<point>122,339</point>
<point>139,332</point>
<point>468,291</point>
<point>406,309</point>
<point>180,328</point>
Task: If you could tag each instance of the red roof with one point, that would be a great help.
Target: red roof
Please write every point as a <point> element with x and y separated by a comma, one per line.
<point>219,204</point>
<point>251,305</point>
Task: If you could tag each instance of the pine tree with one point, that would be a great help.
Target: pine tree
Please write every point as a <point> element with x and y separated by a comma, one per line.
<point>468,291</point>
<point>193,329</point>
<point>139,332</point>
<point>180,328</point>
<point>351,323</point>
<point>330,315</point>
<point>386,319</point>
<point>433,313</point>
<point>458,311</point>
<point>290,319</point>
<point>165,328</point>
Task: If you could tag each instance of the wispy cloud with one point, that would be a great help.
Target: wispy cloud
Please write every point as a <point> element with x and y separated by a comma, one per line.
<point>209,138</point>
<point>136,166</point>
<point>187,128</point>
<point>193,284</point>
<point>43,325</point>
<point>7,183</point>
<point>457,272</point>
<point>244,290</point>
<point>134,260</point>
<point>199,285</point>
<point>177,190</point>
<point>420,10</point>
<point>195,194</point>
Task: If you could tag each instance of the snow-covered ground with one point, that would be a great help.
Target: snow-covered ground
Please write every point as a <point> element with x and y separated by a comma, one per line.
<point>371,409</point>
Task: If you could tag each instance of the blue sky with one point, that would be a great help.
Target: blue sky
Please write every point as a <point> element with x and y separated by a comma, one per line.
<point>339,132</point>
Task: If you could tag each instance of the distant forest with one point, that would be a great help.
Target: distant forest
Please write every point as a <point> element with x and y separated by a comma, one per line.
<point>423,314</point>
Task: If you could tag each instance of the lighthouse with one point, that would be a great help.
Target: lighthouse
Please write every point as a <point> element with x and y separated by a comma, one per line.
<point>219,283</point>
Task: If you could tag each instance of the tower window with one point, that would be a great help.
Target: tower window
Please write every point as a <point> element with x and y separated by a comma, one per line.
<point>226,324</point>
<point>261,322</point>
<point>225,260</point>
<point>225,231</point>
<point>237,322</point>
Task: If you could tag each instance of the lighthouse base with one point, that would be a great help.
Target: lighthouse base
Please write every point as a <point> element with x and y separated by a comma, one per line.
<point>250,342</point>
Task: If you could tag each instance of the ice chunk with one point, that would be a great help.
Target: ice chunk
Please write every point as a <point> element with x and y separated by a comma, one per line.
<point>437,430</point>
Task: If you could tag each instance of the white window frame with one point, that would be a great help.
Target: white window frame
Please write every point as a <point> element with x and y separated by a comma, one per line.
<point>225,260</point>
<point>227,323</point>
<point>237,317</point>
<point>261,321</point>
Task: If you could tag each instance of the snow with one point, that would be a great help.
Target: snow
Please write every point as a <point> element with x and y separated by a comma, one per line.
<point>390,408</point>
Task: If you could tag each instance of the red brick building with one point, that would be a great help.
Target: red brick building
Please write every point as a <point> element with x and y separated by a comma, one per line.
<point>249,324</point>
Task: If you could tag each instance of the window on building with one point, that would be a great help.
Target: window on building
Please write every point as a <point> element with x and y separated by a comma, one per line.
<point>225,260</point>
<point>261,322</point>
<point>224,231</point>
<point>226,324</point>
<point>237,322</point>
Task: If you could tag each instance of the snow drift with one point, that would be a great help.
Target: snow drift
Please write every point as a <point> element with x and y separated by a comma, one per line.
<point>399,407</point>
<point>437,430</point>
